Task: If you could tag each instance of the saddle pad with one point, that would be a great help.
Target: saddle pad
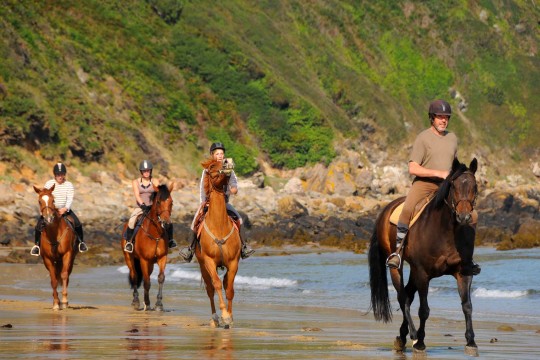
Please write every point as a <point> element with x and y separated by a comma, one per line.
<point>397,211</point>
<point>394,218</point>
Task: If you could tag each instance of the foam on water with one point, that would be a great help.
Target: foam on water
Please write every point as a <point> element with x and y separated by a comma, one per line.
<point>485,293</point>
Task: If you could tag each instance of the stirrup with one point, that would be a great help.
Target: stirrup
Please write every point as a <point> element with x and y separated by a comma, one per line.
<point>476,269</point>
<point>391,265</point>
<point>245,252</point>
<point>128,247</point>
<point>187,254</point>
<point>82,247</point>
<point>38,251</point>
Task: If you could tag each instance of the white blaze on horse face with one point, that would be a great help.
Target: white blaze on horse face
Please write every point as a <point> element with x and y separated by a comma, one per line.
<point>46,200</point>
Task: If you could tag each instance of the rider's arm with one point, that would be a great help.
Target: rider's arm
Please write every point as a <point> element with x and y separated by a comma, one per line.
<point>135,186</point>
<point>70,193</point>
<point>416,169</point>
<point>201,188</point>
<point>233,183</point>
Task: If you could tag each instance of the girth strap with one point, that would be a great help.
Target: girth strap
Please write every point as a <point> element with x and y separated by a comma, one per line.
<point>219,242</point>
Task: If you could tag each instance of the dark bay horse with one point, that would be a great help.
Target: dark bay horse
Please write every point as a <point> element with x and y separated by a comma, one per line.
<point>58,248</point>
<point>219,244</point>
<point>441,242</point>
<point>150,247</point>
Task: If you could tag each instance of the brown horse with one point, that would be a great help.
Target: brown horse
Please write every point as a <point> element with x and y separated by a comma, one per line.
<point>58,248</point>
<point>150,247</point>
<point>219,244</point>
<point>441,242</point>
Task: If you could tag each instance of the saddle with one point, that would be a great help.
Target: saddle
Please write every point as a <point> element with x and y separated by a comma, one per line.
<point>418,209</point>
<point>394,218</point>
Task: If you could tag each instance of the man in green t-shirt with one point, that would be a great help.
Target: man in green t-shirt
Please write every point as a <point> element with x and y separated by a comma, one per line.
<point>430,162</point>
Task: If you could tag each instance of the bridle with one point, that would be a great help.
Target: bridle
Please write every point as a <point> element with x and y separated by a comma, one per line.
<point>46,209</point>
<point>454,203</point>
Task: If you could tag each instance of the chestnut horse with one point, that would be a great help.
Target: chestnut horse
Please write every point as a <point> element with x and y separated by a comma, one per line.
<point>150,246</point>
<point>58,248</point>
<point>441,242</point>
<point>219,244</point>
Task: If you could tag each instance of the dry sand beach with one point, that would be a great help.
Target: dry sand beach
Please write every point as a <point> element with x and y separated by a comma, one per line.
<point>98,326</point>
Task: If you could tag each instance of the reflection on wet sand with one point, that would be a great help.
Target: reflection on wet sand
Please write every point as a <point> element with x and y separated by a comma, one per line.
<point>57,339</point>
<point>145,339</point>
<point>220,345</point>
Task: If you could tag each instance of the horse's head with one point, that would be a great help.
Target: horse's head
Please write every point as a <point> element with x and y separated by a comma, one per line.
<point>163,203</point>
<point>46,203</point>
<point>459,191</point>
<point>218,176</point>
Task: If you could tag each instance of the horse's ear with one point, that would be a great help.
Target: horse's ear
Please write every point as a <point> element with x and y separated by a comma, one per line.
<point>36,189</point>
<point>473,166</point>
<point>52,188</point>
<point>171,186</point>
<point>455,164</point>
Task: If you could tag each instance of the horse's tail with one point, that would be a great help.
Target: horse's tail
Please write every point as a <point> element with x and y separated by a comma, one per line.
<point>136,283</point>
<point>380,303</point>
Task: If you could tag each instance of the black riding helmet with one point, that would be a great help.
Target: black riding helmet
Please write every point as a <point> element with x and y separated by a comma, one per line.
<point>145,165</point>
<point>59,168</point>
<point>215,146</point>
<point>439,107</point>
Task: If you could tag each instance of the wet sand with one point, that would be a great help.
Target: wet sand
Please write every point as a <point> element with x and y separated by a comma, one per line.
<point>98,327</point>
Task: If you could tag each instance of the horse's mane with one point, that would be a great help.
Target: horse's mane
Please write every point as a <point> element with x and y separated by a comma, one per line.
<point>163,193</point>
<point>457,170</point>
<point>206,164</point>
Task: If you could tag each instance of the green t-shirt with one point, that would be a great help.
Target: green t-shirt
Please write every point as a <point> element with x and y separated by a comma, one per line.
<point>433,151</point>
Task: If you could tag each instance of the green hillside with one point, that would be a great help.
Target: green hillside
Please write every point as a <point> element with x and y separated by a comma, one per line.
<point>99,83</point>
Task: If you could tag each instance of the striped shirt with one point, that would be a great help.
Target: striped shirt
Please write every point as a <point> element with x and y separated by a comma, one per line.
<point>63,193</point>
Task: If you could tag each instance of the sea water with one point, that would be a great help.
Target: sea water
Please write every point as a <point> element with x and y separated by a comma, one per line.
<point>506,290</point>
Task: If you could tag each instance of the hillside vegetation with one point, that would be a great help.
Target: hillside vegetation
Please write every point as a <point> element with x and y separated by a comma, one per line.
<point>105,83</point>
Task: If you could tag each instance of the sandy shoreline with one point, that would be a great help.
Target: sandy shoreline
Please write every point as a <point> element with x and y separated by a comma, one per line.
<point>94,326</point>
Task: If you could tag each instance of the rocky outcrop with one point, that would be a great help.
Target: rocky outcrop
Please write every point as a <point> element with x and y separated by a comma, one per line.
<point>335,205</point>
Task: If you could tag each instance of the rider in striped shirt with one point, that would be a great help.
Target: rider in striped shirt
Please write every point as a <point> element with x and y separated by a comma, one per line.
<point>63,198</point>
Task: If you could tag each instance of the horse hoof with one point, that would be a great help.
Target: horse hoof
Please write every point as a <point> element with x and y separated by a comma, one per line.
<point>399,346</point>
<point>158,308</point>
<point>471,351</point>
<point>214,321</point>
<point>64,306</point>
<point>56,307</point>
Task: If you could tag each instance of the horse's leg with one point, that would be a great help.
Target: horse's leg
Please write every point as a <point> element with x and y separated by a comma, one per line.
<point>210,291</point>
<point>162,262</point>
<point>218,288</point>
<point>54,281</point>
<point>401,340</point>
<point>423,314</point>
<point>464,288</point>
<point>64,275</point>
<point>147,267</point>
<point>133,279</point>
<point>228,282</point>
<point>406,298</point>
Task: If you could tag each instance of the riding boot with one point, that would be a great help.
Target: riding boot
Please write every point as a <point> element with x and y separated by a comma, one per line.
<point>187,252</point>
<point>82,244</point>
<point>471,269</point>
<point>129,241</point>
<point>35,251</point>
<point>172,243</point>
<point>394,260</point>
<point>246,250</point>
